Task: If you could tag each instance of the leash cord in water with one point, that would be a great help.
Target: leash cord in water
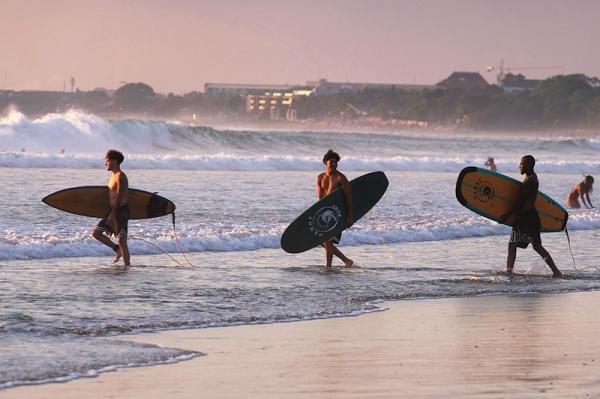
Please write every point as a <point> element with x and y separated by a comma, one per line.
<point>573,257</point>
<point>178,244</point>
<point>378,229</point>
<point>159,248</point>
<point>165,252</point>
<point>570,250</point>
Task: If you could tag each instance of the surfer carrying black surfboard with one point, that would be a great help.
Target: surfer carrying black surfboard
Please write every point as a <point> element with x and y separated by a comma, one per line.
<point>526,227</point>
<point>115,222</point>
<point>326,183</point>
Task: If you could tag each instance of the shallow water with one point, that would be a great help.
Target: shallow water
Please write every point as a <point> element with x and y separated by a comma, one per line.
<point>61,295</point>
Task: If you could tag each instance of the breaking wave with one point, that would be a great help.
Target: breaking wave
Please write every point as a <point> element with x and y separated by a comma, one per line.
<point>43,245</point>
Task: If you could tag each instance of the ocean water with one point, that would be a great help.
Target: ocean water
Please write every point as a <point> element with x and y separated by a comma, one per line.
<point>236,191</point>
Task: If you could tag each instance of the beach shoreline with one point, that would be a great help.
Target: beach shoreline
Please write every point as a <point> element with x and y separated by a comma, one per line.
<point>492,346</point>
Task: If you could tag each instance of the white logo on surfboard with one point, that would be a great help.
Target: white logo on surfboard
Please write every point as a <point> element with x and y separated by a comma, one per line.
<point>324,220</point>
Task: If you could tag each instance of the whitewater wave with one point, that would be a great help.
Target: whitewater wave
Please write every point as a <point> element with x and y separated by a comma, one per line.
<point>253,163</point>
<point>77,132</point>
<point>46,246</point>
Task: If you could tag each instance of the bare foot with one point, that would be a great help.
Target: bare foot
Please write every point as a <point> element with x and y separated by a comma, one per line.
<point>349,263</point>
<point>557,274</point>
<point>509,271</point>
<point>118,255</point>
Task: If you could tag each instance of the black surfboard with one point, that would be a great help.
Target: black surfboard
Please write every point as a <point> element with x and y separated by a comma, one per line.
<point>327,217</point>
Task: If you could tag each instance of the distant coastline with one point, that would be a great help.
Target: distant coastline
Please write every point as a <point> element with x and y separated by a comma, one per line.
<point>561,103</point>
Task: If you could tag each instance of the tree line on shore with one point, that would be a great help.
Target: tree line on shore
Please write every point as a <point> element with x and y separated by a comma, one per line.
<point>560,101</point>
<point>557,102</point>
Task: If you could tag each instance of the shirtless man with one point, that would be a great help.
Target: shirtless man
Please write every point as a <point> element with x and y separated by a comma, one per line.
<point>526,228</point>
<point>116,221</point>
<point>326,183</point>
<point>582,190</point>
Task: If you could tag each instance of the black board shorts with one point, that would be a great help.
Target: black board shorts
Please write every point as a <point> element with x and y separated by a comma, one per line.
<point>336,239</point>
<point>122,215</point>
<point>527,229</point>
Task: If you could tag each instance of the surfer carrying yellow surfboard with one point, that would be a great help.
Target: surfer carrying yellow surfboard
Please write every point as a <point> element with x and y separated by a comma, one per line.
<point>115,222</point>
<point>326,183</point>
<point>526,228</point>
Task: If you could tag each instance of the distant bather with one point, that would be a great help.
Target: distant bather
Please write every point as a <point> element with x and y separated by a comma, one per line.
<point>491,164</point>
<point>583,190</point>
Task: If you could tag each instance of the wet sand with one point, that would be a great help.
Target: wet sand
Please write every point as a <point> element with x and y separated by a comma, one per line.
<point>488,347</point>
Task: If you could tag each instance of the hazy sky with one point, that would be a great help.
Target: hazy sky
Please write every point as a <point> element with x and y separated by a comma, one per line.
<point>178,45</point>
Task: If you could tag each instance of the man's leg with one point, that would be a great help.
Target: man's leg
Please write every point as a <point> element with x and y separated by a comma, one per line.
<point>124,249</point>
<point>548,259</point>
<point>328,253</point>
<point>512,256</point>
<point>347,261</point>
<point>99,235</point>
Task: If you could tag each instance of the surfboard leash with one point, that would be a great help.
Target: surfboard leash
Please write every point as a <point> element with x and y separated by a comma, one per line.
<point>178,244</point>
<point>574,267</point>
<point>570,250</point>
<point>378,229</point>
<point>159,248</point>
<point>165,252</point>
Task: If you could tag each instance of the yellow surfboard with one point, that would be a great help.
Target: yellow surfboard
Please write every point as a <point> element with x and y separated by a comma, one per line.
<point>93,201</point>
<point>492,194</point>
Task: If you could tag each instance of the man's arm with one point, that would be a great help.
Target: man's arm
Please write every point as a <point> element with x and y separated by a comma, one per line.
<point>347,189</point>
<point>320,192</point>
<point>122,189</point>
<point>525,191</point>
<point>588,200</point>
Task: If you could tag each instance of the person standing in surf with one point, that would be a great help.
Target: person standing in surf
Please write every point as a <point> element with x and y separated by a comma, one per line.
<point>583,189</point>
<point>491,164</point>
<point>326,183</point>
<point>526,227</point>
<point>115,223</point>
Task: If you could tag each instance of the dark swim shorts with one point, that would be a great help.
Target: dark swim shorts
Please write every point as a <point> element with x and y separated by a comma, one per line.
<point>527,229</point>
<point>122,215</point>
<point>337,238</point>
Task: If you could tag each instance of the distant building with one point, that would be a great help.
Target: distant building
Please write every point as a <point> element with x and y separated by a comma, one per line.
<point>467,81</point>
<point>108,92</point>
<point>514,83</point>
<point>212,89</point>
<point>279,101</point>
<point>323,87</point>
<point>276,105</point>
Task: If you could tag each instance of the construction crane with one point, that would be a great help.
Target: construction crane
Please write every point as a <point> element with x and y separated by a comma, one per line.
<point>358,112</point>
<point>502,70</point>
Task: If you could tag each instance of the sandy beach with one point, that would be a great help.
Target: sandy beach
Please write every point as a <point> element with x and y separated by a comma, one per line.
<point>495,346</point>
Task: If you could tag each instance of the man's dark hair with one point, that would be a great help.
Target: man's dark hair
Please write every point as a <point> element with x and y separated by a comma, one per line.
<point>529,159</point>
<point>331,155</point>
<point>115,155</point>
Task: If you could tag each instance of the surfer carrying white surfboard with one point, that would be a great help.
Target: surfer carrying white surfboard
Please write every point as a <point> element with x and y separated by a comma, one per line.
<point>115,222</point>
<point>526,227</point>
<point>326,183</point>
